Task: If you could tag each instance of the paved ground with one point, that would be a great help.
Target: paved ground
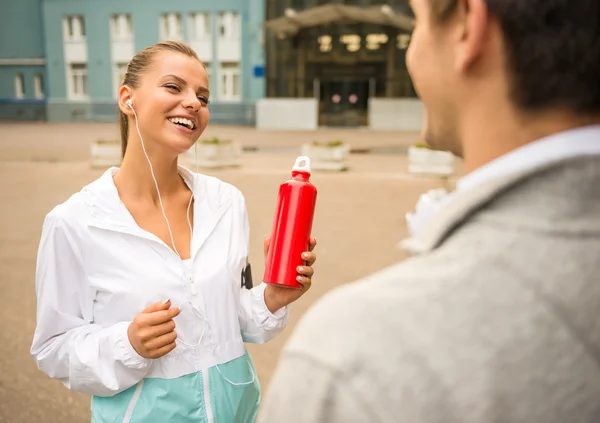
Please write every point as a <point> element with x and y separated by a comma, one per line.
<point>358,222</point>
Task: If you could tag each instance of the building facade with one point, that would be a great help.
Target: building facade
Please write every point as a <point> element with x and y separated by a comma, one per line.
<point>22,61</point>
<point>81,49</point>
<point>288,64</point>
<point>339,63</point>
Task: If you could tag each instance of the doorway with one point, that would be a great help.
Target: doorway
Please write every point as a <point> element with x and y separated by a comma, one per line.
<point>344,102</point>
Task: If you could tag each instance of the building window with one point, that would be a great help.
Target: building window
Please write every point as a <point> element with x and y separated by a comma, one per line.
<point>351,41</point>
<point>38,86</point>
<point>121,27</point>
<point>403,41</point>
<point>207,66</point>
<point>229,25</point>
<point>170,26</point>
<point>78,81</point>
<point>119,74</point>
<point>374,41</point>
<point>199,26</point>
<point>74,28</point>
<point>19,86</point>
<point>324,43</point>
<point>229,82</point>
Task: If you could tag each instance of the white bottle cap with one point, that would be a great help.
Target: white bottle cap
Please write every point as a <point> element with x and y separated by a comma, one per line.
<point>302,164</point>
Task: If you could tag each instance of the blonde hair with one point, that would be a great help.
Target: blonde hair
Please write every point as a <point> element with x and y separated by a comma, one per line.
<point>140,63</point>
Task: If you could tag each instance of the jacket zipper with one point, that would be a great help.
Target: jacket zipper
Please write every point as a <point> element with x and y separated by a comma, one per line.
<point>188,271</point>
<point>193,289</point>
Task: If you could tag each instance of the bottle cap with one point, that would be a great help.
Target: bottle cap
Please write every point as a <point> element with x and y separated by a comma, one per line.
<point>302,164</point>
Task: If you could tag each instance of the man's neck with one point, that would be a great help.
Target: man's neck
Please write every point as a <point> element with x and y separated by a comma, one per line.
<point>494,132</point>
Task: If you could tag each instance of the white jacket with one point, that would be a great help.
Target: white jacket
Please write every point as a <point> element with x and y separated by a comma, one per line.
<point>97,269</point>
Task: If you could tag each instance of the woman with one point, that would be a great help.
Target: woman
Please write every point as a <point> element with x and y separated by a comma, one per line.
<point>140,300</point>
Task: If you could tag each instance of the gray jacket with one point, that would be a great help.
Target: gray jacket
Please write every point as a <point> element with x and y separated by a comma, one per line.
<point>497,319</point>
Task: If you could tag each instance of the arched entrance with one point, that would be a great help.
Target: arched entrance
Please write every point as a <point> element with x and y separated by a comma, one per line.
<point>342,56</point>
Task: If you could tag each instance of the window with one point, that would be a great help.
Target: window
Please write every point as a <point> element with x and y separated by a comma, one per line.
<point>229,82</point>
<point>119,71</point>
<point>19,86</point>
<point>374,41</point>
<point>351,41</point>
<point>38,86</point>
<point>74,28</point>
<point>324,43</point>
<point>403,41</point>
<point>170,26</point>
<point>199,26</point>
<point>77,81</point>
<point>229,25</point>
<point>121,27</point>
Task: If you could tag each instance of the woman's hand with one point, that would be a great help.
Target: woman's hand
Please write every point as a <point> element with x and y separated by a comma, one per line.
<point>276,296</point>
<point>152,332</point>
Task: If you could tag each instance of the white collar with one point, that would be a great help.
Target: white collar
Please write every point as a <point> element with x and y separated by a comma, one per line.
<point>557,147</point>
<point>526,159</point>
<point>105,202</point>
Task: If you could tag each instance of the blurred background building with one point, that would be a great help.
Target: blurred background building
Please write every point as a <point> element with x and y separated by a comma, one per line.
<point>276,64</point>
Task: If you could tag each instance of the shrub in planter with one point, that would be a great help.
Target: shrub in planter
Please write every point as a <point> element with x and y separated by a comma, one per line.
<point>328,155</point>
<point>105,153</point>
<point>215,152</point>
<point>424,160</point>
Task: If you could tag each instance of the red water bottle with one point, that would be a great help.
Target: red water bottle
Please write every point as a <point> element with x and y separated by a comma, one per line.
<point>290,236</point>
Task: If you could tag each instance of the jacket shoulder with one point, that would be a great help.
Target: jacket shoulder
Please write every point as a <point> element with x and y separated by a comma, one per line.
<point>216,188</point>
<point>75,211</point>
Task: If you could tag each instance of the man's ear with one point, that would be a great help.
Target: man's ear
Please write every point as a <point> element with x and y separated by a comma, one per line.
<point>124,95</point>
<point>473,29</point>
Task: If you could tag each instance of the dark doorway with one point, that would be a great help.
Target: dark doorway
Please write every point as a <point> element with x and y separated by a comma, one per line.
<point>343,102</point>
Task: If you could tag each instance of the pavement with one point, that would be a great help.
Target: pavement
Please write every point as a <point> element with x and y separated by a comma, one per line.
<point>358,223</point>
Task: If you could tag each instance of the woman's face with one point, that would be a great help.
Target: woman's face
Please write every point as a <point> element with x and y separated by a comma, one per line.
<point>171,102</point>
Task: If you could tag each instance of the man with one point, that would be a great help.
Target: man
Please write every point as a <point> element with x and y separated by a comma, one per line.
<point>497,318</point>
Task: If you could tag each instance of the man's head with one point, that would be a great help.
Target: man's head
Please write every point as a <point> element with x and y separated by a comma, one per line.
<point>474,60</point>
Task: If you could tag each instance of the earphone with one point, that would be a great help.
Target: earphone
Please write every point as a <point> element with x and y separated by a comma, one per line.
<point>129,103</point>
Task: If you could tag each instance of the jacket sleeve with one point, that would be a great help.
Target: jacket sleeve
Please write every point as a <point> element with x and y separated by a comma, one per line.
<point>67,344</point>
<point>257,323</point>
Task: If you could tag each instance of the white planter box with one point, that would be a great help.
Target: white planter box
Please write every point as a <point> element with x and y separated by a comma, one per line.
<point>214,155</point>
<point>424,161</point>
<point>105,154</point>
<point>327,158</point>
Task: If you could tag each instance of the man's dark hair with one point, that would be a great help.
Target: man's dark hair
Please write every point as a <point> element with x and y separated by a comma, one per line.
<point>553,50</point>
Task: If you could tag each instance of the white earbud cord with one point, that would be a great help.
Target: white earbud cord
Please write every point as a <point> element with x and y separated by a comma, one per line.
<point>162,208</point>
<point>175,248</point>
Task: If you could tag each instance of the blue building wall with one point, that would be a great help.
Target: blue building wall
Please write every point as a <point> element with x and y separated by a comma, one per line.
<point>27,108</point>
<point>21,29</point>
<point>21,51</point>
<point>145,17</point>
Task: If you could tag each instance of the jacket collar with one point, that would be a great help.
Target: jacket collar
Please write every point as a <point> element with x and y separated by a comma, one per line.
<point>439,212</point>
<point>459,206</point>
<point>108,211</point>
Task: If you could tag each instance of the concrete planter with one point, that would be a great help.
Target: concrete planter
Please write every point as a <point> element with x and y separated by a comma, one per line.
<point>327,157</point>
<point>423,161</point>
<point>105,154</point>
<point>215,154</point>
